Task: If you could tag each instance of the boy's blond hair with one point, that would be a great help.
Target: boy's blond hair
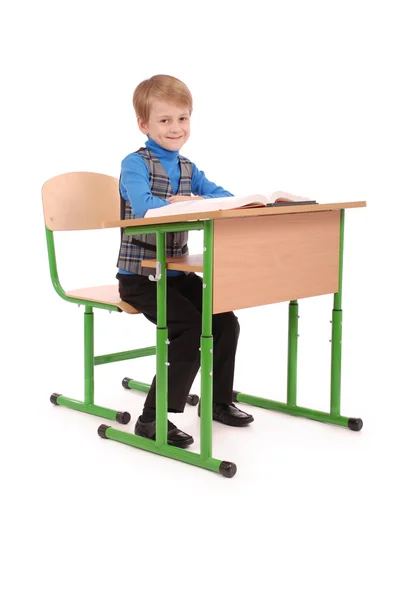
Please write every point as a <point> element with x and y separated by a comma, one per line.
<point>160,87</point>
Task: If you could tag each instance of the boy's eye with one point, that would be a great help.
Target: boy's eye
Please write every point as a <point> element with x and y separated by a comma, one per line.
<point>181,119</point>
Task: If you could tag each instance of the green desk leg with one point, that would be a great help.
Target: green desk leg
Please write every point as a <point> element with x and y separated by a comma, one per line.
<point>206,414</point>
<point>292,354</point>
<point>290,407</point>
<point>160,446</point>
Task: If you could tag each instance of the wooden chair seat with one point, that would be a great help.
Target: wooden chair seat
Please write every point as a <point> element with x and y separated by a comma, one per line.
<point>106,294</point>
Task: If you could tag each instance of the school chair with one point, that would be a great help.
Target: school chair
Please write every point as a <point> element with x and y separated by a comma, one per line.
<point>84,201</point>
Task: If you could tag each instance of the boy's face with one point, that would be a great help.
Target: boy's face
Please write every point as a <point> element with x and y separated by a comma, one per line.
<point>168,125</point>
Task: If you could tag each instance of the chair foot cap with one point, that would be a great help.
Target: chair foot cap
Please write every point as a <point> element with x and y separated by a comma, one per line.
<point>53,399</point>
<point>102,431</point>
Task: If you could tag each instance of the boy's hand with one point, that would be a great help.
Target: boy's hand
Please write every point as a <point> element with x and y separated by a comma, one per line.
<point>173,199</point>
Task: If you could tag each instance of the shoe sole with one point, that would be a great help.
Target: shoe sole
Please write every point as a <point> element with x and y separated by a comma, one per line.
<point>177,445</point>
<point>239,423</point>
<point>183,445</point>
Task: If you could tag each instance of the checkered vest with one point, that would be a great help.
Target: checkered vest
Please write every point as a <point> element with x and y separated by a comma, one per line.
<point>134,249</point>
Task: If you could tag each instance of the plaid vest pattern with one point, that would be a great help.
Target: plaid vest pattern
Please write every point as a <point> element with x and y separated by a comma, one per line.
<point>134,249</point>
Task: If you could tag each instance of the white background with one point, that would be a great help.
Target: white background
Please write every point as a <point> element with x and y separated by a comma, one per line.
<point>300,96</point>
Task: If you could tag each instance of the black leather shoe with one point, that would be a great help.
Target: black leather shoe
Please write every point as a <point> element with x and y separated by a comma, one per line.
<point>175,437</point>
<point>229,414</point>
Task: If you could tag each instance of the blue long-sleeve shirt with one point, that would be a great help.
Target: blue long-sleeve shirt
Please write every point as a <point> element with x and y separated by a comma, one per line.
<point>135,186</point>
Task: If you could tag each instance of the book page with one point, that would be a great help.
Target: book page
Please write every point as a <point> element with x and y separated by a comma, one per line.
<point>206,205</point>
<point>287,196</point>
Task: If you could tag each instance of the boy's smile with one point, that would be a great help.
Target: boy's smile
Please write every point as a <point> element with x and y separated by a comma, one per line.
<point>168,124</point>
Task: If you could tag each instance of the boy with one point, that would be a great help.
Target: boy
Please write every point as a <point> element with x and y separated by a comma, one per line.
<point>156,176</point>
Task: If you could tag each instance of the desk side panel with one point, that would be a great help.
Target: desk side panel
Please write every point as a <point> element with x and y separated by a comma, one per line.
<point>263,260</point>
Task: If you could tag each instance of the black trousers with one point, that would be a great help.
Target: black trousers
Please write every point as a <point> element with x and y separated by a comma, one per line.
<point>184,323</point>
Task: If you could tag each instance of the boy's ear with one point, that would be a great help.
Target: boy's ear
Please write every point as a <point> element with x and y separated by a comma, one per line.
<point>143,127</point>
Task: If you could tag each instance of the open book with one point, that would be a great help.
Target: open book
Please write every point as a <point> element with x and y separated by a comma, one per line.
<point>227,203</point>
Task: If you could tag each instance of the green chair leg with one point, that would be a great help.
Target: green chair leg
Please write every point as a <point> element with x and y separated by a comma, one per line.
<point>91,409</point>
<point>88,406</point>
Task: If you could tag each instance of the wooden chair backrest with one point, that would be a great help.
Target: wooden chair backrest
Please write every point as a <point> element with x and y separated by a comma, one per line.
<point>79,201</point>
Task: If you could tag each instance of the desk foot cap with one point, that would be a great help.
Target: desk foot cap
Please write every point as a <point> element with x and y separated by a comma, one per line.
<point>125,383</point>
<point>227,469</point>
<point>355,424</point>
<point>123,418</point>
<point>53,399</point>
<point>193,399</point>
<point>235,394</point>
<point>102,431</point>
